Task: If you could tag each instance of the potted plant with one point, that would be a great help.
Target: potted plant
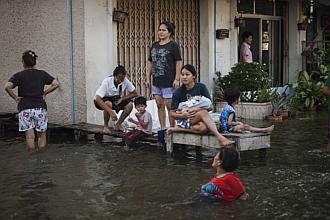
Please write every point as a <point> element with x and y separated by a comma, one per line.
<point>254,83</point>
<point>308,90</point>
<point>279,100</point>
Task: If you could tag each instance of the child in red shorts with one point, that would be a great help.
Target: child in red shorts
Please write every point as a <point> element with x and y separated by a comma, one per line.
<point>225,185</point>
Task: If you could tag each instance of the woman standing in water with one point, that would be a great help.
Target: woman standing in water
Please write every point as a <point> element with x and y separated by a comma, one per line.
<point>194,120</point>
<point>31,99</point>
<point>164,65</point>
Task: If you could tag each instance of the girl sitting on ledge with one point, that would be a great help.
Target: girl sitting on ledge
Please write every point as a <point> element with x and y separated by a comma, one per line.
<point>196,119</point>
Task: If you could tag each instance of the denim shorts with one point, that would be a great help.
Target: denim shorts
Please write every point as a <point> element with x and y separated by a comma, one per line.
<point>35,118</point>
<point>183,123</point>
<point>165,93</point>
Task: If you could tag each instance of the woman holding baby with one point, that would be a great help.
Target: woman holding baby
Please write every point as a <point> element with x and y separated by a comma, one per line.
<point>194,119</point>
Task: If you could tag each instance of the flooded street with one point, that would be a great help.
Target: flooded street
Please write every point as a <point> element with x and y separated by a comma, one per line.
<point>100,181</point>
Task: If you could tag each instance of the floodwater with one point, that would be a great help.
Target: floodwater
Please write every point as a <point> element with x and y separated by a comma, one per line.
<point>93,180</point>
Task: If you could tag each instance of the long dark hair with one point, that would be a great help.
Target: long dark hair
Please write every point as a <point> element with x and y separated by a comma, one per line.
<point>169,26</point>
<point>192,70</point>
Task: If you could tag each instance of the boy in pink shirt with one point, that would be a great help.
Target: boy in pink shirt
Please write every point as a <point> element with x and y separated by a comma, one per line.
<point>144,123</point>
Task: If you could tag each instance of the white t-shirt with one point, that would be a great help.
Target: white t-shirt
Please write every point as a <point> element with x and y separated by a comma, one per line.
<point>108,87</point>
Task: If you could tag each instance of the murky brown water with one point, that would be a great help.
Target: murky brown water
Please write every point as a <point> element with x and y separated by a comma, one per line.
<point>99,181</point>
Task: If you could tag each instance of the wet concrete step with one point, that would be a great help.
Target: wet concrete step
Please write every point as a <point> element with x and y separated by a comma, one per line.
<point>87,128</point>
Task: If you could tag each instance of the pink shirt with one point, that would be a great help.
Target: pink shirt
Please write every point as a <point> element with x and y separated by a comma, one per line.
<point>245,53</point>
<point>146,119</point>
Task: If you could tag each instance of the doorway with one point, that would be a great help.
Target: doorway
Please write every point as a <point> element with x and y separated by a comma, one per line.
<point>139,31</point>
<point>267,45</point>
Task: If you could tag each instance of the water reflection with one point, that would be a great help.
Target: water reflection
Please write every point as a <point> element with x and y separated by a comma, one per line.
<point>92,180</point>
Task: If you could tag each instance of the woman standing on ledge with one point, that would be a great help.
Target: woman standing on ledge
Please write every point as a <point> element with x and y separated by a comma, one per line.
<point>163,70</point>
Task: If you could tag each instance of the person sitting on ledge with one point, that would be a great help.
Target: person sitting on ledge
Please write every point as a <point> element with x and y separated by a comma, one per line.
<point>196,119</point>
<point>227,117</point>
<point>110,97</point>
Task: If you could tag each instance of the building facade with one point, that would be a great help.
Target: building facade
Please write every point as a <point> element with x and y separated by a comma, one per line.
<point>79,42</point>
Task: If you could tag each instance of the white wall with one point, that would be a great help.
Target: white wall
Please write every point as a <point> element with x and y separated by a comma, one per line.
<point>295,39</point>
<point>226,49</point>
<point>100,50</point>
<point>207,34</point>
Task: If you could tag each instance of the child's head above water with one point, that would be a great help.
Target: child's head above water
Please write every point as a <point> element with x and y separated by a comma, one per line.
<point>232,95</point>
<point>227,158</point>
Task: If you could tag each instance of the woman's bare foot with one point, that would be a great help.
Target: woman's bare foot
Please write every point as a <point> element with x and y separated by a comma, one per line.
<point>118,127</point>
<point>106,130</point>
<point>269,129</point>
<point>224,141</point>
<point>170,130</point>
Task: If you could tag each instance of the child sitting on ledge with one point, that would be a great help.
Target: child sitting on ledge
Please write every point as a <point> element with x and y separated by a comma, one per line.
<point>227,118</point>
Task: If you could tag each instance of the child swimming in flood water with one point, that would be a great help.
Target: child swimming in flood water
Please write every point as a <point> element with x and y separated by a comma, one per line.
<point>228,122</point>
<point>225,185</point>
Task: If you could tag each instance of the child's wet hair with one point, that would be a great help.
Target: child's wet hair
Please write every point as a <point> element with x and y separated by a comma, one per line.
<point>29,58</point>
<point>230,158</point>
<point>140,101</point>
<point>169,26</point>
<point>119,70</point>
<point>232,94</point>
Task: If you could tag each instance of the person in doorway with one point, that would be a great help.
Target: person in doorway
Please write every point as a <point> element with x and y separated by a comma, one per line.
<point>228,122</point>
<point>225,185</point>
<point>110,98</point>
<point>326,91</point>
<point>164,65</point>
<point>143,123</point>
<point>195,120</point>
<point>31,102</point>
<point>245,52</point>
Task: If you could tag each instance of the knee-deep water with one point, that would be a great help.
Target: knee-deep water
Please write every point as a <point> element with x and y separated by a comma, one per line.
<point>98,180</point>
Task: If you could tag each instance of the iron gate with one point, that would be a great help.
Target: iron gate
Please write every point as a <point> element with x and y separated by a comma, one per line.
<point>139,31</point>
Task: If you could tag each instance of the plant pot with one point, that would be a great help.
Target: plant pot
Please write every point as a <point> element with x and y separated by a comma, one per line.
<point>249,110</point>
<point>312,109</point>
<point>274,118</point>
<point>284,113</point>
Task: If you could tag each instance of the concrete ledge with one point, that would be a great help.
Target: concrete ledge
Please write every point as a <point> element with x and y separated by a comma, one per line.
<point>243,141</point>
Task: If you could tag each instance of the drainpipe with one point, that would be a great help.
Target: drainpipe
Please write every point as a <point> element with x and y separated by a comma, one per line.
<point>71,69</point>
<point>214,38</point>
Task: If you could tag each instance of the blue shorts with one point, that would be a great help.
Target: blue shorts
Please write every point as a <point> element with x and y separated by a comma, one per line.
<point>35,118</point>
<point>183,123</point>
<point>165,93</point>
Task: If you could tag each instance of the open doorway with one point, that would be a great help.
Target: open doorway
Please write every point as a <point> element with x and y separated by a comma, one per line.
<point>266,46</point>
